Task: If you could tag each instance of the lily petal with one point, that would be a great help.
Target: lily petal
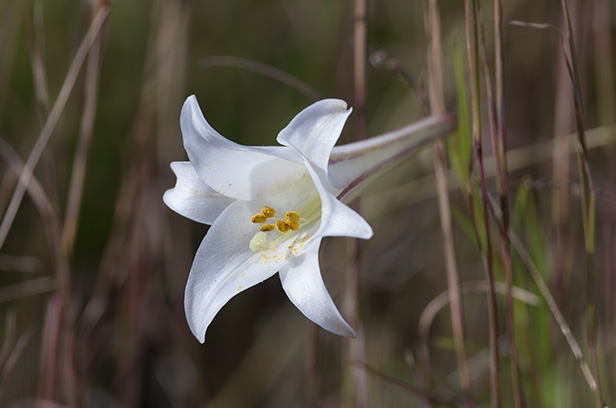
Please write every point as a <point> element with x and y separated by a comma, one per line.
<point>315,130</point>
<point>304,286</point>
<point>225,266</point>
<point>192,198</point>
<point>232,169</point>
<point>337,219</point>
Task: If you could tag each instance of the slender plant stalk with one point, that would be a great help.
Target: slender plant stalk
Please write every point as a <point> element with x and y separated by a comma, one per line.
<point>403,385</point>
<point>51,122</point>
<point>37,57</point>
<point>496,114</point>
<point>52,227</point>
<point>85,136</point>
<point>587,194</point>
<point>311,364</point>
<point>356,390</point>
<point>57,316</point>
<point>518,245</point>
<point>261,69</point>
<point>10,331</point>
<point>58,358</point>
<point>54,349</point>
<point>11,13</point>
<point>561,164</point>
<point>472,40</point>
<point>437,106</point>
<point>357,395</point>
<point>35,29</point>
<point>47,202</point>
<point>604,72</point>
<point>13,359</point>
<point>588,205</point>
<point>44,206</point>
<point>359,66</point>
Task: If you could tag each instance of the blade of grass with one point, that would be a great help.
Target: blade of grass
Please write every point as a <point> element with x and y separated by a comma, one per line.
<point>496,115</point>
<point>311,371</point>
<point>604,85</point>
<point>262,69</point>
<point>398,383</point>
<point>472,42</point>
<point>459,148</point>
<point>10,19</point>
<point>588,206</point>
<point>536,354</point>
<point>18,263</point>
<point>35,30</point>
<point>517,159</point>
<point>587,191</point>
<point>439,302</point>
<point>437,106</point>
<point>86,130</point>
<point>48,212</point>
<point>518,245</point>
<point>28,288</point>
<point>10,330</point>
<point>356,392</point>
<point>13,358</point>
<point>44,284</point>
<point>51,122</point>
<point>58,307</point>
<point>561,174</point>
<point>274,347</point>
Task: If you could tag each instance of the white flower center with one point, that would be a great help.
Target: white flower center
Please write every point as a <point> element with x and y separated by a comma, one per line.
<point>292,222</point>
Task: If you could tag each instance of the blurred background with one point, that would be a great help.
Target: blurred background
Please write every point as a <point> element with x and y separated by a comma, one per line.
<point>93,264</point>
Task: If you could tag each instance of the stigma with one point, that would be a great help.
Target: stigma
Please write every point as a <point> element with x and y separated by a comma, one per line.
<point>259,242</point>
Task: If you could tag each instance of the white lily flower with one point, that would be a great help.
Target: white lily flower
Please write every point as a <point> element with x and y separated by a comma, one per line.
<point>269,207</point>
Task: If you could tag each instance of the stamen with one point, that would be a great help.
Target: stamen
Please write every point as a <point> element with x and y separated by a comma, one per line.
<point>258,218</point>
<point>292,216</point>
<point>282,226</point>
<point>267,227</point>
<point>292,222</point>
<point>268,212</point>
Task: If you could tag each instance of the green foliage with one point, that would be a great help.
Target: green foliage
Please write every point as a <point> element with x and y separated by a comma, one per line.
<point>459,146</point>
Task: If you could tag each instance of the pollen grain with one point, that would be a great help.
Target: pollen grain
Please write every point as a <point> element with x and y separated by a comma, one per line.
<point>258,218</point>
<point>268,212</point>
<point>282,226</point>
<point>267,227</point>
<point>292,216</point>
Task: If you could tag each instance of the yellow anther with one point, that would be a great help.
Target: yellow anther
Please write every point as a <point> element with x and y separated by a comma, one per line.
<point>258,218</point>
<point>267,227</point>
<point>268,212</point>
<point>294,225</point>
<point>282,226</point>
<point>292,216</point>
